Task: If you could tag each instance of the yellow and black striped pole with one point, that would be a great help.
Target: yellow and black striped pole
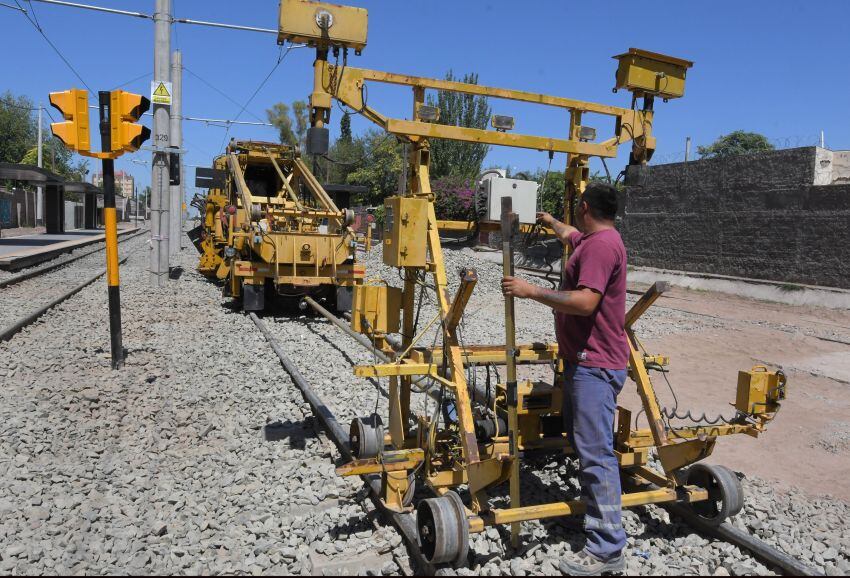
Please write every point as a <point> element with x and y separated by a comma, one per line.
<point>111,223</point>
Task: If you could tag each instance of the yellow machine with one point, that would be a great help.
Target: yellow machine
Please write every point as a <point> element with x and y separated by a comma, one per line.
<point>269,225</point>
<point>469,445</point>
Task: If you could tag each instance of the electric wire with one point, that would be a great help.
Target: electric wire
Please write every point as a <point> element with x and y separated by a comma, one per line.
<point>54,47</point>
<point>280,57</point>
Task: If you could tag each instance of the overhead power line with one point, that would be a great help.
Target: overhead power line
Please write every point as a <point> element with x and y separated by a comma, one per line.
<point>53,46</point>
<point>150,17</point>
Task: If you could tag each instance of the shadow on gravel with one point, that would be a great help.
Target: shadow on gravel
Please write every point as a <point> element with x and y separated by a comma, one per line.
<point>296,432</point>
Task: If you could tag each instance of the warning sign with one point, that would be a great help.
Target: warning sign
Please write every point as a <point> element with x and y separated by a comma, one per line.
<point>161,92</point>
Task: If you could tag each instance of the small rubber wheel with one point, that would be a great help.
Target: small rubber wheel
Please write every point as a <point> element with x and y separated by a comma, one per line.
<point>725,494</point>
<point>366,436</point>
<point>443,530</point>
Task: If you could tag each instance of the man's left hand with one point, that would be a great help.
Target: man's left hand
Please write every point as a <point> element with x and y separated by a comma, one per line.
<point>513,287</point>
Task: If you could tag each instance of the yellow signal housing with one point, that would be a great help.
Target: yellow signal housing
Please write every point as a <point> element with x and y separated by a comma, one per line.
<point>74,132</point>
<point>125,109</point>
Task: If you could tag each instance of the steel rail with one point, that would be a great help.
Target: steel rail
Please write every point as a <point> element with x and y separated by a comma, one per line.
<point>758,548</point>
<point>7,333</point>
<point>404,522</point>
<point>53,266</point>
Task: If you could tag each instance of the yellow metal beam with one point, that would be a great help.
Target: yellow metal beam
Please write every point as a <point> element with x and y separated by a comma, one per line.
<point>477,135</point>
<point>489,226</point>
<point>466,88</point>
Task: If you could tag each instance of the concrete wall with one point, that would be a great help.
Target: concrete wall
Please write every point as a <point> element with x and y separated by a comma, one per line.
<point>767,216</point>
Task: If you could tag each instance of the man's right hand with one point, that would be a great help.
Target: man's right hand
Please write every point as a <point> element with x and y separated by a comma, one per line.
<point>545,218</point>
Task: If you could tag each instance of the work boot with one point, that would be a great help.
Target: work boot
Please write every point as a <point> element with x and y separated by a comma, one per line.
<point>586,564</point>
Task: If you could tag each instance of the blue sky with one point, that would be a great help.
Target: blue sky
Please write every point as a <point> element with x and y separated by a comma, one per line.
<point>779,68</point>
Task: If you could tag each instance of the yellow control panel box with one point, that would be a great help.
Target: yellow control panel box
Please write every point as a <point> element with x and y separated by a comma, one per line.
<point>375,309</point>
<point>405,232</point>
<point>322,24</point>
<point>651,73</point>
<point>759,390</point>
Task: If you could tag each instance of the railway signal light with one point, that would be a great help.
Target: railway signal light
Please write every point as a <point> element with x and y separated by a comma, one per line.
<point>74,132</point>
<point>125,109</point>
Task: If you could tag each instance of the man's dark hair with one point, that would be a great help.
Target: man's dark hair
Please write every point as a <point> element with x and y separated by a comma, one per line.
<point>602,200</point>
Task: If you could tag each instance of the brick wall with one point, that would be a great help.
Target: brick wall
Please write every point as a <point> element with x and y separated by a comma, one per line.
<point>756,216</point>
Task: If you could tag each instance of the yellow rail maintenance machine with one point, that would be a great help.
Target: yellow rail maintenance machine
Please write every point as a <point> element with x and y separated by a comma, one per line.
<point>467,445</point>
<point>269,225</point>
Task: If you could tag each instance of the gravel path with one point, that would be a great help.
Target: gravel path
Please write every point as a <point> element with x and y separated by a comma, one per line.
<point>201,457</point>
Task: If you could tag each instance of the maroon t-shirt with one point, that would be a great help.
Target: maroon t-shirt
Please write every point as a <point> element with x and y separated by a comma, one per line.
<point>598,262</point>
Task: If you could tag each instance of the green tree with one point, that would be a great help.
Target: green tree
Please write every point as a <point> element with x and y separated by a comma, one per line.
<point>345,128</point>
<point>300,110</point>
<point>550,197</point>
<point>18,127</point>
<point>379,166</point>
<point>58,159</point>
<point>738,142</point>
<point>279,116</point>
<point>449,157</point>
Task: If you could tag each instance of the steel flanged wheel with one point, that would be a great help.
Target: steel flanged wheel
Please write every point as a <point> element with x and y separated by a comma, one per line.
<point>443,530</point>
<point>725,494</point>
<point>366,436</point>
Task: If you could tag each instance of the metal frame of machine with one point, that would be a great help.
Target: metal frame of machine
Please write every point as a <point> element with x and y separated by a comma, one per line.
<point>473,450</point>
<point>273,224</point>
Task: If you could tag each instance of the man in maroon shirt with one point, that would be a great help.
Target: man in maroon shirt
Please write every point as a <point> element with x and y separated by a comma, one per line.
<point>590,309</point>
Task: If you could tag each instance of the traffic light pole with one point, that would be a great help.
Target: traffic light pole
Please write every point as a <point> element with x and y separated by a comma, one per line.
<point>111,223</point>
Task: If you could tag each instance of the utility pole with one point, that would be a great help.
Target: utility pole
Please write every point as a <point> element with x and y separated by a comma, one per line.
<point>161,139</point>
<point>687,148</point>
<point>39,202</point>
<point>176,230</point>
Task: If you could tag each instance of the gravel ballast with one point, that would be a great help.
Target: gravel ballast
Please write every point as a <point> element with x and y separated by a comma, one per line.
<point>200,456</point>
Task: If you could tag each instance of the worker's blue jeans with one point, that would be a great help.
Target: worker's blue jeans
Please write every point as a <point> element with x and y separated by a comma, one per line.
<point>590,399</point>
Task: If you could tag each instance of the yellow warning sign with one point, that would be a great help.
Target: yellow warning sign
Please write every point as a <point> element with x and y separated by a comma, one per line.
<point>161,92</point>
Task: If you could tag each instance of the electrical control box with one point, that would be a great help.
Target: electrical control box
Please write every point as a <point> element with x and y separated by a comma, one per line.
<point>375,309</point>
<point>647,72</point>
<point>405,232</point>
<point>322,24</point>
<point>522,192</point>
<point>759,390</point>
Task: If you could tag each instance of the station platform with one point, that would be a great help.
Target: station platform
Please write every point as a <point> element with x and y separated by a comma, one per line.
<point>28,250</point>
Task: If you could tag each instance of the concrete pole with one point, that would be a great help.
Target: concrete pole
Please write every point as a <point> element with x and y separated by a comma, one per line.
<point>39,202</point>
<point>176,230</point>
<point>687,148</point>
<point>161,139</point>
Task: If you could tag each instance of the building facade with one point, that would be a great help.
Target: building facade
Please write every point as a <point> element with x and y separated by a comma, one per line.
<point>124,183</point>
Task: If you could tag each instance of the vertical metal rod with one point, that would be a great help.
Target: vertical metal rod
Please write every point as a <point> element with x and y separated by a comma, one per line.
<point>39,203</point>
<point>508,220</point>
<point>161,136</point>
<point>175,242</point>
<point>111,234</point>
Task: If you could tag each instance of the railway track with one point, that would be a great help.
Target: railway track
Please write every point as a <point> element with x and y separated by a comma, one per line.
<point>17,312</point>
<point>406,522</point>
<point>53,266</point>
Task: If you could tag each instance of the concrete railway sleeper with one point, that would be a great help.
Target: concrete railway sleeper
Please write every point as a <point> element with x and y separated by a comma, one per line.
<point>438,534</point>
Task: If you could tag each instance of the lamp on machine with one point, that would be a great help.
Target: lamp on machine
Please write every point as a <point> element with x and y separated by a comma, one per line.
<point>502,122</point>
<point>587,134</point>
<point>427,113</point>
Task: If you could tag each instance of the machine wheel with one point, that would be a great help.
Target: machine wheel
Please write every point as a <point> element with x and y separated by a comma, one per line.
<point>366,436</point>
<point>443,530</point>
<point>725,494</point>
